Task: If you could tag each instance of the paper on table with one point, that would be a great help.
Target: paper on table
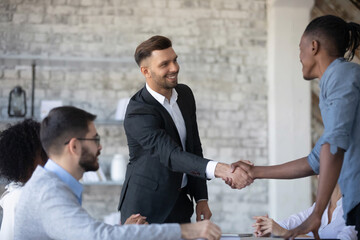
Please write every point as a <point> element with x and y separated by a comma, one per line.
<point>235,236</point>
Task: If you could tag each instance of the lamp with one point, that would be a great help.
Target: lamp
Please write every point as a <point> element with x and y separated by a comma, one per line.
<point>17,102</point>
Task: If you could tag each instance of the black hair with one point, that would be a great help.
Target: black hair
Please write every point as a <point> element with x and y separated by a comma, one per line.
<point>342,36</point>
<point>19,147</point>
<point>62,124</point>
<point>145,49</point>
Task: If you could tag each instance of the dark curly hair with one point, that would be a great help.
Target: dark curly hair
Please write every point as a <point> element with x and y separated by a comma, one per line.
<point>20,147</point>
<point>341,36</point>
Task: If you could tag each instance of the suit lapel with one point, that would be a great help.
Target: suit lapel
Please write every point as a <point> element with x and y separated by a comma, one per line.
<point>184,108</point>
<point>148,98</point>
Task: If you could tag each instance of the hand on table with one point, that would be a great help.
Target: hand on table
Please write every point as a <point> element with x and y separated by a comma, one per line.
<point>265,226</point>
<point>202,208</point>
<point>136,219</point>
<point>311,224</point>
<point>203,229</point>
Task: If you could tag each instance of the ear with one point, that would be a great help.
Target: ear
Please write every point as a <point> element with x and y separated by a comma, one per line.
<point>74,148</point>
<point>145,71</point>
<point>315,44</point>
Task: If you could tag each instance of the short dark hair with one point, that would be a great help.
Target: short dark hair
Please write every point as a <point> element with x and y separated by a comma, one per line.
<point>145,49</point>
<point>337,35</point>
<point>19,147</point>
<point>62,124</point>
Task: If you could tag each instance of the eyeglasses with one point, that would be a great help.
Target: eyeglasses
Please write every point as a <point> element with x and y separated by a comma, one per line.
<point>96,140</point>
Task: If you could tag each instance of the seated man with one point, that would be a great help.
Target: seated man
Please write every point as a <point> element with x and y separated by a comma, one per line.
<point>50,206</point>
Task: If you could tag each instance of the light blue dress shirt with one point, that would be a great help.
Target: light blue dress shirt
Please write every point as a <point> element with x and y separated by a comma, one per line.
<point>66,177</point>
<point>339,105</point>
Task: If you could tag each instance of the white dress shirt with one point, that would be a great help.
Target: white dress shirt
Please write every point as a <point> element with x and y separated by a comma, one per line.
<point>173,109</point>
<point>8,202</point>
<point>335,229</point>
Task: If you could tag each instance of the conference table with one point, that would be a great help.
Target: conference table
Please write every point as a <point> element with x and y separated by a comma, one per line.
<point>247,237</point>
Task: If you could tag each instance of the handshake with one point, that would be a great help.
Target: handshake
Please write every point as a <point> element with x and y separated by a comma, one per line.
<point>237,175</point>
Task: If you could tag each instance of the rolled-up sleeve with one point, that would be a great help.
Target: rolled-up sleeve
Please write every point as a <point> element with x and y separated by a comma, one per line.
<point>314,156</point>
<point>338,109</point>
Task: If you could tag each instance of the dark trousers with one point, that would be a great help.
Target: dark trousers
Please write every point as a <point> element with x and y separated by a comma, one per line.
<point>353,218</point>
<point>183,209</point>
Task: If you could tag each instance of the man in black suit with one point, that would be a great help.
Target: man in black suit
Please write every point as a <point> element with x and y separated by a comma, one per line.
<point>166,169</point>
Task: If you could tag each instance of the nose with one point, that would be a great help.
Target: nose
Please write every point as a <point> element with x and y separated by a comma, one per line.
<point>174,67</point>
<point>100,146</point>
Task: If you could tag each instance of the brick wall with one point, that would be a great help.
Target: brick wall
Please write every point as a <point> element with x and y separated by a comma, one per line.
<point>222,54</point>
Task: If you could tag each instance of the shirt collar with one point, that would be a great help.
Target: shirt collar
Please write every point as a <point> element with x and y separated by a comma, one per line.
<point>336,61</point>
<point>66,177</point>
<point>332,64</point>
<point>160,98</point>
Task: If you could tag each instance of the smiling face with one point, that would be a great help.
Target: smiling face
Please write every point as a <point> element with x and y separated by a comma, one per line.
<point>307,57</point>
<point>161,70</point>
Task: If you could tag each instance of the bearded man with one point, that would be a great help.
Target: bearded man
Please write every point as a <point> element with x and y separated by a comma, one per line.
<point>50,203</point>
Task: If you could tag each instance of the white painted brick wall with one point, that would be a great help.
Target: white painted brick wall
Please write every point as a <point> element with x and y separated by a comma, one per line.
<point>221,46</point>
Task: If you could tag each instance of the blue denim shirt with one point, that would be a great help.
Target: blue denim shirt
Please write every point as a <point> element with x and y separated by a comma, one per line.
<point>339,105</point>
<point>66,177</point>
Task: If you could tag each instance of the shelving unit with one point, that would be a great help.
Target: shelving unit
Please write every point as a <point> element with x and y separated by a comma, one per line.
<point>64,61</point>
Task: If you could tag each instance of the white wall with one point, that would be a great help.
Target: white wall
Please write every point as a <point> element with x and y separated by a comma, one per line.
<point>289,103</point>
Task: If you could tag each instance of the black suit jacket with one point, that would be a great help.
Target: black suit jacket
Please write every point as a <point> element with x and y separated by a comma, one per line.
<point>157,161</point>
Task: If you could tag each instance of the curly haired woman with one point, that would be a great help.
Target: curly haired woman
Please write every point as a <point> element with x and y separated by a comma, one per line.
<point>20,153</point>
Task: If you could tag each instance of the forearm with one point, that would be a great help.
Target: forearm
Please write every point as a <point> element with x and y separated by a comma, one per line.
<point>222,170</point>
<point>185,162</point>
<point>330,168</point>
<point>295,169</point>
<point>278,231</point>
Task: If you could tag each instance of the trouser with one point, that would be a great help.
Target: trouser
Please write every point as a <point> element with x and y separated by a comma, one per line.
<point>353,218</point>
<point>182,210</point>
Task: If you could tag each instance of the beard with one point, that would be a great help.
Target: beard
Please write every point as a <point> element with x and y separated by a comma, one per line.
<point>163,82</point>
<point>88,160</point>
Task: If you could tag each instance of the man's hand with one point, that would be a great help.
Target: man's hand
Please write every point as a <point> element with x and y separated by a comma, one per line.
<point>202,208</point>
<point>330,168</point>
<point>240,175</point>
<point>237,178</point>
<point>203,229</point>
<point>311,224</point>
<point>246,165</point>
<point>136,219</point>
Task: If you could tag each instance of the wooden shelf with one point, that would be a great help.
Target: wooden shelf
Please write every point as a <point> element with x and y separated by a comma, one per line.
<point>65,61</point>
<point>98,122</point>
